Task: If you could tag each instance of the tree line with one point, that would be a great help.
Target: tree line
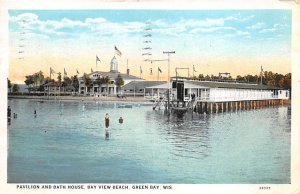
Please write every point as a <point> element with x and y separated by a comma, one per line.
<point>269,78</point>
<point>36,81</point>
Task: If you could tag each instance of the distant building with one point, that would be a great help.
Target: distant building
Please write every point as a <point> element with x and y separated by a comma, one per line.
<point>105,89</point>
<point>224,75</point>
<point>140,88</point>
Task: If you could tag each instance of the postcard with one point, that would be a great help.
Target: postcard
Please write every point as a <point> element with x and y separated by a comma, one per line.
<point>159,96</point>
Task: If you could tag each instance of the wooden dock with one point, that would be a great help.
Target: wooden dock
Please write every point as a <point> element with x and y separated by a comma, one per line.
<point>210,107</point>
<point>227,106</point>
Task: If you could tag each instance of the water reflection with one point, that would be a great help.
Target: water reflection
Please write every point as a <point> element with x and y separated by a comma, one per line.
<point>186,135</point>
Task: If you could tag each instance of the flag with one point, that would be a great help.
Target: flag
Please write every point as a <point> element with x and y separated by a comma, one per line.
<point>92,70</point>
<point>159,70</point>
<point>117,51</point>
<point>194,69</point>
<point>97,59</point>
<point>52,71</point>
<point>141,69</point>
<point>77,71</point>
<point>65,73</point>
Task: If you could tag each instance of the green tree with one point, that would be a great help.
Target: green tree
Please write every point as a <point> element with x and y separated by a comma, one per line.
<point>59,78</point>
<point>48,80</point>
<point>87,81</point>
<point>119,81</point>
<point>288,81</point>
<point>29,81</point>
<point>38,78</point>
<point>106,80</point>
<point>207,77</point>
<point>67,81</point>
<point>200,76</point>
<point>75,82</point>
<point>9,85</point>
<point>99,81</point>
<point>16,88</point>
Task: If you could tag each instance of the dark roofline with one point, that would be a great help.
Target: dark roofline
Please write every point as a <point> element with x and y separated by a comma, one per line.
<point>142,84</point>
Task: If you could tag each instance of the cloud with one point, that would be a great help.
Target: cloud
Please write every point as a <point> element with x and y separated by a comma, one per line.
<point>28,17</point>
<point>242,33</point>
<point>256,26</point>
<point>267,30</point>
<point>239,18</point>
<point>101,26</point>
<point>212,29</point>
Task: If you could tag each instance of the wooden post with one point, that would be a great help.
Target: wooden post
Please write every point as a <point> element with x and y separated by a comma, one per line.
<point>215,107</point>
<point>200,108</point>
<point>222,106</point>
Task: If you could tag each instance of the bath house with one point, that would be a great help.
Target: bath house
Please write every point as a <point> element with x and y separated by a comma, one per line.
<point>185,89</point>
<point>213,96</point>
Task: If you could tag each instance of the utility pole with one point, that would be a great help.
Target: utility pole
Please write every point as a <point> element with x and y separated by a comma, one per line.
<point>168,53</point>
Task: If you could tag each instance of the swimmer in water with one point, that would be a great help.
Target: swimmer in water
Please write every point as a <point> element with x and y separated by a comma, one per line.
<point>121,120</point>
<point>106,126</point>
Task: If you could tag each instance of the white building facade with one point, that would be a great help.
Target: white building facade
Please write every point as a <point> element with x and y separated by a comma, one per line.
<point>184,90</point>
<point>105,89</point>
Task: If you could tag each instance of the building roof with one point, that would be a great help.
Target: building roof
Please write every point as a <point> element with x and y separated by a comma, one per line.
<point>161,86</point>
<point>114,75</point>
<point>52,84</point>
<point>142,84</point>
<point>211,84</point>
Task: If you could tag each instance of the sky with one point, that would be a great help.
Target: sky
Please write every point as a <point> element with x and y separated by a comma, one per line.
<point>213,41</point>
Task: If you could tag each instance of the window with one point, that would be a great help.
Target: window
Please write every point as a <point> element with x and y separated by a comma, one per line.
<point>280,92</point>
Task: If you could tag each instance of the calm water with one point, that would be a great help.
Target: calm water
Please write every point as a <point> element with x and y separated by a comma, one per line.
<point>65,144</point>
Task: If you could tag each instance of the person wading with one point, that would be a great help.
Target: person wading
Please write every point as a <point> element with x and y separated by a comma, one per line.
<point>106,126</point>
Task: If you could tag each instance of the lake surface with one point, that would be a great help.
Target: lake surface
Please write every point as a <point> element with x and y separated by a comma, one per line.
<point>65,143</point>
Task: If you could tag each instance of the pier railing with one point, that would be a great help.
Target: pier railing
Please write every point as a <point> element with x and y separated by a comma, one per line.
<point>225,99</point>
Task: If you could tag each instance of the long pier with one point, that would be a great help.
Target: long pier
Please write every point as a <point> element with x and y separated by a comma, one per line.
<point>210,107</point>
<point>227,106</point>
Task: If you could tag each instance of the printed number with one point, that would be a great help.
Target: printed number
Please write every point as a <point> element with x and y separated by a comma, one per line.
<point>264,188</point>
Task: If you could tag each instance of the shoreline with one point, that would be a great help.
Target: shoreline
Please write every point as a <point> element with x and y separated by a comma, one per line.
<point>130,99</point>
<point>84,98</point>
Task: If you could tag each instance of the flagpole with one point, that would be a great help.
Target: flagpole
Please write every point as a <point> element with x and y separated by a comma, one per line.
<point>140,72</point>
<point>193,71</point>
<point>261,72</point>
<point>49,86</point>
